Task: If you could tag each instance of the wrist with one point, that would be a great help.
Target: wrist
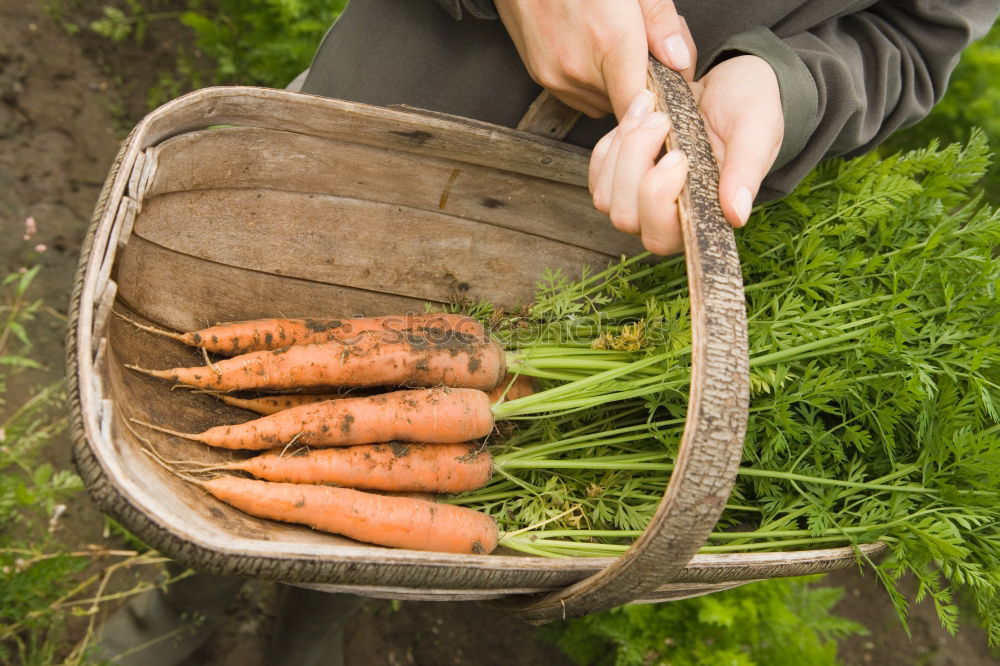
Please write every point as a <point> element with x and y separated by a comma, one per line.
<point>796,86</point>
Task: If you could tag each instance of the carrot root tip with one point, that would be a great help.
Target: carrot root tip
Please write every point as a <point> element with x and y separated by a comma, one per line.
<point>150,329</point>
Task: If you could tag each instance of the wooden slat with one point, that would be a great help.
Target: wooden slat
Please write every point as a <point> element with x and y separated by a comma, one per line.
<point>185,293</point>
<point>355,243</point>
<point>450,137</point>
<point>549,117</point>
<point>272,159</point>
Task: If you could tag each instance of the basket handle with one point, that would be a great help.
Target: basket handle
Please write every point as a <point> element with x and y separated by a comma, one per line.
<point>548,117</point>
<point>712,442</point>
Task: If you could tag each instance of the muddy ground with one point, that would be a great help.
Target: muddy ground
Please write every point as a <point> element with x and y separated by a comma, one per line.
<point>66,101</point>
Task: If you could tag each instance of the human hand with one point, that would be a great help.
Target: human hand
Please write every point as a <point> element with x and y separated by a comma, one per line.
<point>591,54</point>
<point>741,105</point>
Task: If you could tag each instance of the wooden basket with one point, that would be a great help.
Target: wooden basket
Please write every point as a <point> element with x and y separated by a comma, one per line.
<point>234,203</point>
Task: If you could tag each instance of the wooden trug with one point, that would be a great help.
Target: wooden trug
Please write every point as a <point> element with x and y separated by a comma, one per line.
<point>235,203</point>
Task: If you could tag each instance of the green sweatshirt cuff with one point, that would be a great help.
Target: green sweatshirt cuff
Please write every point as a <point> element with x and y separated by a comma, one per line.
<point>799,97</point>
<point>480,9</point>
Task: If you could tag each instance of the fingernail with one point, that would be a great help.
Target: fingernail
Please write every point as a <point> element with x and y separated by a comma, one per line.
<point>657,119</point>
<point>677,51</point>
<point>743,203</point>
<point>671,159</point>
<point>641,105</point>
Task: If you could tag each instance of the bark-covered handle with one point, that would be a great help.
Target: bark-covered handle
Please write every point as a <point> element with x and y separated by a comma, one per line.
<point>712,442</point>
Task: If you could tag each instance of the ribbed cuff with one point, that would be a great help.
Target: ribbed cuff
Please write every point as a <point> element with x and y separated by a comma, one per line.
<point>480,9</point>
<point>799,97</point>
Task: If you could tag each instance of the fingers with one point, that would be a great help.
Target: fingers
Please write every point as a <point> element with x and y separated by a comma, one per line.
<point>669,39</point>
<point>590,53</point>
<point>657,202</point>
<point>624,72</point>
<point>639,195</point>
<point>636,157</point>
<point>597,157</point>
<point>604,181</point>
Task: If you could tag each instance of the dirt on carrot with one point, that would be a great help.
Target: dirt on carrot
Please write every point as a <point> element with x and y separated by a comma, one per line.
<point>442,415</point>
<point>450,359</point>
<point>385,520</point>
<point>272,404</point>
<point>241,337</point>
<point>395,466</point>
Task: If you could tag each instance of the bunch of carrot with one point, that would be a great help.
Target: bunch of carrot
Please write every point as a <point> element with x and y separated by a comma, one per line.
<point>341,463</point>
<point>875,392</point>
<point>451,382</point>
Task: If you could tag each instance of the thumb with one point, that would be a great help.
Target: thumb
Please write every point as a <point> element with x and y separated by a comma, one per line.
<point>749,154</point>
<point>668,36</point>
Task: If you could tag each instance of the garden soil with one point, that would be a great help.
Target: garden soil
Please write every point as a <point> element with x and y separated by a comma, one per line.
<point>67,99</point>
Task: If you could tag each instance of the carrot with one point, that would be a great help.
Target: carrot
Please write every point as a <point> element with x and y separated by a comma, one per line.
<point>512,389</point>
<point>396,466</point>
<point>385,520</point>
<point>454,359</point>
<point>521,386</point>
<point>442,415</point>
<point>241,337</point>
<point>272,404</point>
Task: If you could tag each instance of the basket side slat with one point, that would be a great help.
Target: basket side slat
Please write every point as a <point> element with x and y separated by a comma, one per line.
<point>184,293</point>
<point>271,159</point>
<point>423,134</point>
<point>354,243</point>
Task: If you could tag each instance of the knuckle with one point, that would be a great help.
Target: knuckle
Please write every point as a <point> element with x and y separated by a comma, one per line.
<point>549,79</point>
<point>661,13</point>
<point>656,186</point>
<point>573,70</point>
<point>660,245</point>
<point>653,244</point>
<point>626,221</point>
<point>600,203</point>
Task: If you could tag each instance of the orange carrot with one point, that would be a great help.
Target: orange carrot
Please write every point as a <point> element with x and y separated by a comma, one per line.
<point>456,359</point>
<point>396,466</point>
<point>272,404</point>
<point>521,386</point>
<point>507,390</point>
<point>385,520</point>
<point>441,415</point>
<point>241,337</point>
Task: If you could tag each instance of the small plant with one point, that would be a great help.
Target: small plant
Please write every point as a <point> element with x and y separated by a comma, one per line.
<point>31,494</point>
<point>771,623</point>
<point>260,42</point>
<point>250,42</point>
<point>45,583</point>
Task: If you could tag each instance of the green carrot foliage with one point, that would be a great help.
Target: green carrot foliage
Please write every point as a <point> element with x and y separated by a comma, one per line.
<point>874,333</point>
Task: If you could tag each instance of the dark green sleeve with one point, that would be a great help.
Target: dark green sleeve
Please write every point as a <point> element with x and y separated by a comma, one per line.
<point>481,9</point>
<point>850,82</point>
